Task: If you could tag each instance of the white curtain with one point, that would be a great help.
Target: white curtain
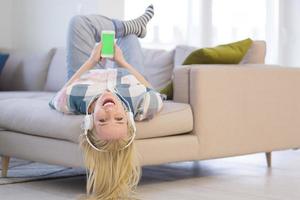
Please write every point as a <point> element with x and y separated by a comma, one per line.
<point>289,32</point>
<point>205,23</point>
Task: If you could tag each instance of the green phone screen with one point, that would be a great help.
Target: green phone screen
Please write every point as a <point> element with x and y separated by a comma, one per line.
<point>108,44</point>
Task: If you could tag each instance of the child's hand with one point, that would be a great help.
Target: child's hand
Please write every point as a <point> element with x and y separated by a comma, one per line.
<point>95,56</point>
<point>118,57</point>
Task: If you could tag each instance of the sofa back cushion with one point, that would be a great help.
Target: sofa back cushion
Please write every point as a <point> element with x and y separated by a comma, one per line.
<point>181,53</point>
<point>57,73</point>
<point>256,54</point>
<point>25,71</point>
<point>159,67</point>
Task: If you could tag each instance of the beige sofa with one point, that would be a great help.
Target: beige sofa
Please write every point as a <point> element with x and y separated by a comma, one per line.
<point>217,111</point>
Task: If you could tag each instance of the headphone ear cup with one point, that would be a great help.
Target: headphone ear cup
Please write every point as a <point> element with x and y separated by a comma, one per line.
<point>88,122</point>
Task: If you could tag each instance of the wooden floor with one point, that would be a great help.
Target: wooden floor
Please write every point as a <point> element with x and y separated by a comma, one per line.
<point>238,178</point>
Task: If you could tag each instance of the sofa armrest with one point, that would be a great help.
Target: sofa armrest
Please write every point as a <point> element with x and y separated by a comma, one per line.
<point>181,84</point>
<point>239,110</point>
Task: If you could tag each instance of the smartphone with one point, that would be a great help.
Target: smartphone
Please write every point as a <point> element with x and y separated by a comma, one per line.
<point>108,41</point>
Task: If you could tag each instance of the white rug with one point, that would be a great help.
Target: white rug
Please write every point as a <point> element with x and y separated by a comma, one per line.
<point>25,171</point>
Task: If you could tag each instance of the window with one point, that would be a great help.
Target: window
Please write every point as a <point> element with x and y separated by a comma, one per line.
<point>169,25</point>
<point>208,22</point>
<point>238,19</point>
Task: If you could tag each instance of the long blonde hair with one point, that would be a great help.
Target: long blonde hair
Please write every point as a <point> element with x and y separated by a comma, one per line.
<point>111,175</point>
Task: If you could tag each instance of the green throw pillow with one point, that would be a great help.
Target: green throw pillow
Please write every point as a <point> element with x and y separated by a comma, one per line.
<point>168,91</point>
<point>231,53</point>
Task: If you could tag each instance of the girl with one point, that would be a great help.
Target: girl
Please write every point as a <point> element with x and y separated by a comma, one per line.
<point>111,99</point>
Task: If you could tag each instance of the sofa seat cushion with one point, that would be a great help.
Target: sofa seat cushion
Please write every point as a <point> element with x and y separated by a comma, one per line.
<point>24,94</point>
<point>32,115</point>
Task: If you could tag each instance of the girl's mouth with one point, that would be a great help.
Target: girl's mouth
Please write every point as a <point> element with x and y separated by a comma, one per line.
<point>108,102</point>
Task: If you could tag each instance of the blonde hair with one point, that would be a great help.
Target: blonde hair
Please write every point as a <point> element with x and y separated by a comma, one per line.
<point>111,175</point>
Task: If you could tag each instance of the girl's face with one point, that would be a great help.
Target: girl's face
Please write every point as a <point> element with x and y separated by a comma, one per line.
<point>110,118</point>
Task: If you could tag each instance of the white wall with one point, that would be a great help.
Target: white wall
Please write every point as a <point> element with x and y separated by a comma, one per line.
<point>42,24</point>
<point>5,23</point>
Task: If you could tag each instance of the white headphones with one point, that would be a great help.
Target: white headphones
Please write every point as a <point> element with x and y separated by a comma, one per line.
<point>89,121</point>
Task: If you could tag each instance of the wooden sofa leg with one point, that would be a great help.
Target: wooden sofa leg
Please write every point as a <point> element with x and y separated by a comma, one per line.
<point>269,158</point>
<point>5,163</point>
